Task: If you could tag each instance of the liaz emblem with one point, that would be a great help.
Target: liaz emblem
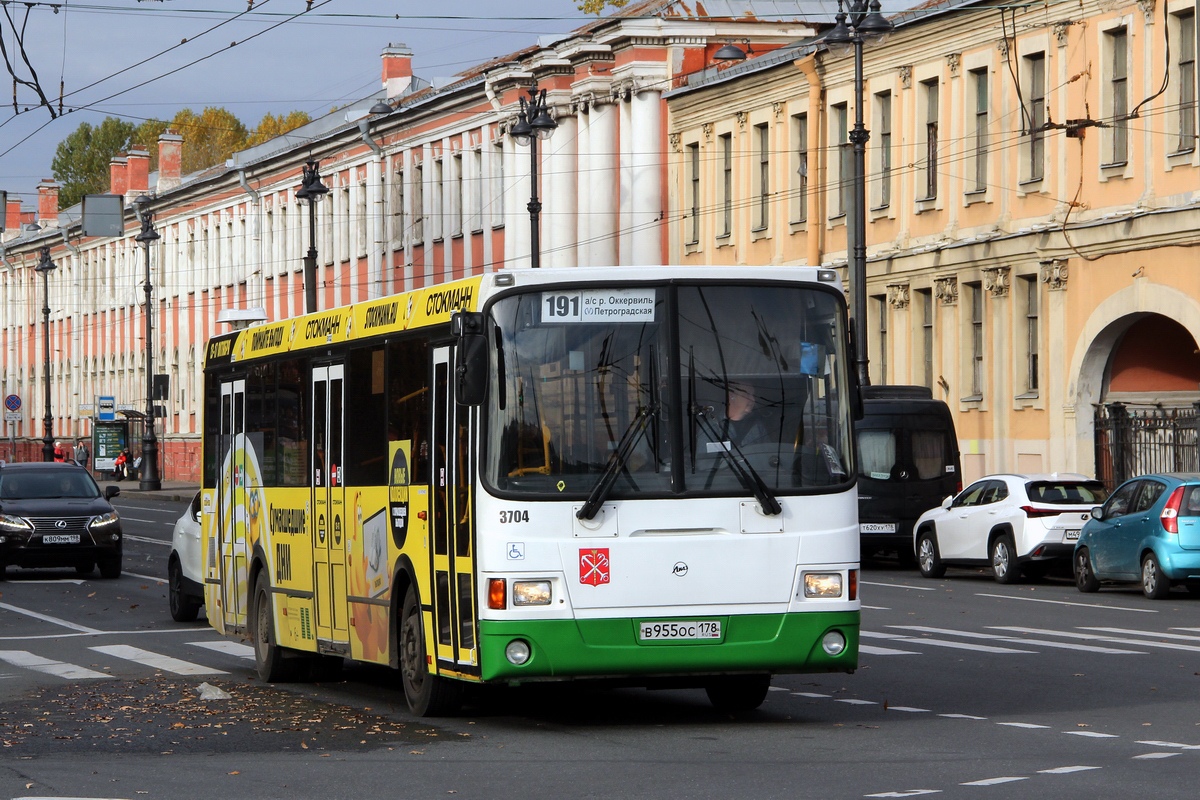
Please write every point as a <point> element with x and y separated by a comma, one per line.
<point>594,566</point>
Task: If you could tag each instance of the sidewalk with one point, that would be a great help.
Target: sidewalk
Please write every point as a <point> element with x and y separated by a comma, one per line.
<point>171,490</point>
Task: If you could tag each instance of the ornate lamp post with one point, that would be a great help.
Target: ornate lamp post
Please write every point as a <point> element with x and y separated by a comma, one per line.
<point>865,20</point>
<point>148,477</point>
<point>311,190</point>
<point>533,123</point>
<point>46,266</point>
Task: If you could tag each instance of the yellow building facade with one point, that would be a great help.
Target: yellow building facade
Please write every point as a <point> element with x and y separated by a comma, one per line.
<point>1033,211</point>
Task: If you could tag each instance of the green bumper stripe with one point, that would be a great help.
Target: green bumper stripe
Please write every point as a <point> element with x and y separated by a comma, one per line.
<point>599,648</point>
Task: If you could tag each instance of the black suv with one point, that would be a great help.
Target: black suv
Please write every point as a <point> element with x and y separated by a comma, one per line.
<point>54,515</point>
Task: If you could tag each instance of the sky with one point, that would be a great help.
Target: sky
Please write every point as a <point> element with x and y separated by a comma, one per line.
<point>143,59</point>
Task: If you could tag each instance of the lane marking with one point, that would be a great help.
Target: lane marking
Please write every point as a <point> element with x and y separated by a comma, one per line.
<point>1176,636</point>
<point>900,586</point>
<point>909,709</point>
<point>996,781</point>
<point>905,793</point>
<point>47,618</point>
<point>240,650</point>
<point>146,539</point>
<point>960,716</point>
<point>1180,745</point>
<point>1029,725</point>
<point>155,660</point>
<point>1156,755</point>
<point>876,608</point>
<point>1093,734</point>
<point>23,658</point>
<point>146,577</point>
<point>1065,770</point>
<point>854,702</point>
<point>1019,640</point>
<point>811,694</point>
<point>1093,637</point>
<point>885,651</point>
<point>189,629</point>
<point>1066,603</point>
<point>57,582</point>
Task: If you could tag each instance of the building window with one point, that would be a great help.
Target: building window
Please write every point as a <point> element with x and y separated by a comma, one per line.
<point>975,291</point>
<point>726,141</point>
<point>841,135</point>
<point>1036,71</point>
<point>1030,285</point>
<point>1185,46</point>
<point>762,133</point>
<point>497,169</point>
<point>457,198</point>
<point>926,301</point>
<point>883,111</point>
<point>398,209</point>
<point>800,147</point>
<point>418,203</point>
<point>931,138</point>
<point>1118,47</point>
<point>882,349</point>
<point>979,81</point>
<point>437,207</point>
<point>693,151</point>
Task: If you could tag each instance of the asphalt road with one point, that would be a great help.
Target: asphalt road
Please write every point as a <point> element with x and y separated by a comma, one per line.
<point>967,689</point>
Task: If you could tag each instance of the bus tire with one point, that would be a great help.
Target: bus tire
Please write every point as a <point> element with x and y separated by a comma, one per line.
<point>738,694</point>
<point>428,695</point>
<point>273,666</point>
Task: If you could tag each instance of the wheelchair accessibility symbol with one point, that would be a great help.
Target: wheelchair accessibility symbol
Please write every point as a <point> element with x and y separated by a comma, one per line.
<point>516,551</point>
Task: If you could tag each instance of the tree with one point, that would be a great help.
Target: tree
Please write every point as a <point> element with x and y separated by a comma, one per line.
<point>146,136</point>
<point>597,6</point>
<point>271,126</point>
<point>81,161</point>
<point>209,137</point>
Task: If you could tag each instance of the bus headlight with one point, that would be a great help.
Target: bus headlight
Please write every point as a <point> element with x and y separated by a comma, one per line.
<point>833,643</point>
<point>531,593</point>
<point>822,584</point>
<point>517,652</point>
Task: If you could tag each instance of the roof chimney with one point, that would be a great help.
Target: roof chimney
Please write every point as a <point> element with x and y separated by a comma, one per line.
<point>137,170</point>
<point>118,175</point>
<point>12,215</point>
<point>48,203</point>
<point>170,160</point>
<point>397,69</point>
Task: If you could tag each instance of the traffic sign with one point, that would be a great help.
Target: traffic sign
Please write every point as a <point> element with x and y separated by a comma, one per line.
<point>12,402</point>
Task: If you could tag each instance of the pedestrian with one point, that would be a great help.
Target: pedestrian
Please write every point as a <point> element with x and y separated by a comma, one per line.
<point>60,452</point>
<point>119,465</point>
<point>82,454</point>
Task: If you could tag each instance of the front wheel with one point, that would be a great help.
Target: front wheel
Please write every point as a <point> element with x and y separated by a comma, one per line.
<point>1085,576</point>
<point>736,694</point>
<point>110,568</point>
<point>272,665</point>
<point>1155,585</point>
<point>428,695</point>
<point>184,607</point>
<point>1005,568</point>
<point>928,560</point>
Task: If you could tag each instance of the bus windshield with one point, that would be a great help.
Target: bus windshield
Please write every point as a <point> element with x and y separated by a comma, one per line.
<point>718,389</point>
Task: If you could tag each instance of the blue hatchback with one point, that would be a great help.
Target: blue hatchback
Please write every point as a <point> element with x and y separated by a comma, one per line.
<point>1147,531</point>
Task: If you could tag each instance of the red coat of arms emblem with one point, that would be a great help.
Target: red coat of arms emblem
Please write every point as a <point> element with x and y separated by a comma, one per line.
<point>594,566</point>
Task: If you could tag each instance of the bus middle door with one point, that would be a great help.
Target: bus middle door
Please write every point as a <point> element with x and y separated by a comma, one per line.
<point>231,506</point>
<point>329,503</point>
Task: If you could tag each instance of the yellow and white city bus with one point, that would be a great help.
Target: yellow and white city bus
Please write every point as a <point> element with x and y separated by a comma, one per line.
<point>643,476</point>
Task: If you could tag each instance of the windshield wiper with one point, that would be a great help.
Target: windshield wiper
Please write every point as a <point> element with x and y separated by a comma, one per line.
<point>616,462</point>
<point>741,467</point>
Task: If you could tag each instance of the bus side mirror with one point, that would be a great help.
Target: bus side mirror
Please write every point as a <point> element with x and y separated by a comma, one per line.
<point>471,357</point>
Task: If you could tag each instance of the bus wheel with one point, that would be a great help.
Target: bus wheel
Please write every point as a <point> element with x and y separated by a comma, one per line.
<point>273,666</point>
<point>428,695</point>
<point>738,693</point>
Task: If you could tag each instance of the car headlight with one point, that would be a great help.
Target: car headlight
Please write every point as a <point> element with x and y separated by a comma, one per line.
<point>104,522</point>
<point>531,593</point>
<point>822,584</point>
<point>11,524</point>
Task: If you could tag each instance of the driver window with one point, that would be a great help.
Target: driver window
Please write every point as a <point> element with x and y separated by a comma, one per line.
<point>1121,502</point>
<point>972,496</point>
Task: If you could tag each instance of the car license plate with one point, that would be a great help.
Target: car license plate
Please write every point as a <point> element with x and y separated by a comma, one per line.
<point>1071,535</point>
<point>877,527</point>
<point>695,629</point>
<point>61,538</point>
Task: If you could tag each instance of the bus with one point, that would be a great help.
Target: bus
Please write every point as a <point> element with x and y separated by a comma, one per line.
<point>537,475</point>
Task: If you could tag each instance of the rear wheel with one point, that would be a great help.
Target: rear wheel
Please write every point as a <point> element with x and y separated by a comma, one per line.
<point>428,695</point>
<point>110,568</point>
<point>269,658</point>
<point>184,607</point>
<point>736,694</point>
<point>1085,576</point>
<point>1005,568</point>
<point>928,560</point>
<point>1155,585</point>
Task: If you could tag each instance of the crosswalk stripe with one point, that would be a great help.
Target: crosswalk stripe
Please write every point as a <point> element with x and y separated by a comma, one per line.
<point>1156,755</point>
<point>1093,734</point>
<point>1018,640</point>
<point>1097,638</point>
<point>1066,770</point>
<point>1029,725</point>
<point>996,781</point>
<point>1128,632</point>
<point>156,661</point>
<point>229,648</point>
<point>982,648</point>
<point>885,651</point>
<point>23,658</point>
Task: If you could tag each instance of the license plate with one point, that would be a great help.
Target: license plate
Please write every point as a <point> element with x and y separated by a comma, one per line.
<point>61,538</point>
<point>697,629</point>
<point>877,527</point>
<point>1071,535</point>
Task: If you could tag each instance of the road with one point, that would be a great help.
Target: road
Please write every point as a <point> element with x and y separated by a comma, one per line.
<point>966,689</point>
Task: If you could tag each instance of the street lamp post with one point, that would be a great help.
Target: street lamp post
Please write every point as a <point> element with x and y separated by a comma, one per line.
<point>46,266</point>
<point>312,190</point>
<point>148,476</point>
<point>865,20</point>
<point>533,123</point>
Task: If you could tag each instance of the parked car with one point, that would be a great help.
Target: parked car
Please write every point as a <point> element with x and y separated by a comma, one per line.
<point>1148,531</point>
<point>1006,522</point>
<point>185,587</point>
<point>53,514</point>
<point>907,462</point>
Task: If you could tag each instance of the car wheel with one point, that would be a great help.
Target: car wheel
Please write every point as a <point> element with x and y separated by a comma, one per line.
<point>928,560</point>
<point>84,569</point>
<point>428,695</point>
<point>184,607</point>
<point>1005,568</point>
<point>269,658</point>
<point>1155,585</point>
<point>738,694</point>
<point>1085,576</point>
<point>110,568</point>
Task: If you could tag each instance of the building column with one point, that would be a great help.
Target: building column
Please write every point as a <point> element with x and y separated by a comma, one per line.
<point>561,195</point>
<point>601,207</point>
<point>646,195</point>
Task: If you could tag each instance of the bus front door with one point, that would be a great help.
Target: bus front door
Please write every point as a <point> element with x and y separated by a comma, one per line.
<point>328,504</point>
<point>231,507</point>
<point>453,529</point>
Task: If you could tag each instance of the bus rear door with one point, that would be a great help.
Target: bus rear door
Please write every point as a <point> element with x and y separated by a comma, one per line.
<point>329,503</point>
<point>231,506</point>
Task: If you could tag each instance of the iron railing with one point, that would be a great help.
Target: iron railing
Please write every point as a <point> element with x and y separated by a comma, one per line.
<point>1134,441</point>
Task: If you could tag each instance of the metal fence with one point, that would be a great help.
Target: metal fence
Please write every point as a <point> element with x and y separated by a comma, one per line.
<point>1134,441</point>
